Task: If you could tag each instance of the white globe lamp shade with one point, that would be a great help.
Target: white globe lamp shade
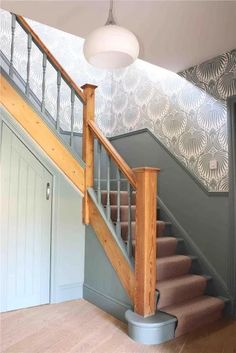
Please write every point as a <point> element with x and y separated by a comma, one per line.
<point>111,47</point>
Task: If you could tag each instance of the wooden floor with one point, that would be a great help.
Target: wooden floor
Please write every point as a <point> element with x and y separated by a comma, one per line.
<point>78,326</point>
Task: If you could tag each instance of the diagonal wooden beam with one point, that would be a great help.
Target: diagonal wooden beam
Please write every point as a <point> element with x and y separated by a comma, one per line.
<point>27,117</point>
<point>112,250</point>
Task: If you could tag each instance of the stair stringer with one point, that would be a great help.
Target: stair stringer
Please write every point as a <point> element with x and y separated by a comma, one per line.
<point>15,103</point>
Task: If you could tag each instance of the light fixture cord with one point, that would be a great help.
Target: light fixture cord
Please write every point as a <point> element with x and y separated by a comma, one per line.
<point>110,18</point>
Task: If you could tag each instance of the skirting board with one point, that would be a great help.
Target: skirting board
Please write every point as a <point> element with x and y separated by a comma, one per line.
<point>105,302</point>
<point>67,292</point>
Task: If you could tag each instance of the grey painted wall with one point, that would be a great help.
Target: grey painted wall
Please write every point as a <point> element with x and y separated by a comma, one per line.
<point>101,284</point>
<point>204,218</point>
<point>68,231</point>
<point>232,194</point>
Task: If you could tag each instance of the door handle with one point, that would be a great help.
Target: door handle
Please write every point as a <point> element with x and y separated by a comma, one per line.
<point>48,191</point>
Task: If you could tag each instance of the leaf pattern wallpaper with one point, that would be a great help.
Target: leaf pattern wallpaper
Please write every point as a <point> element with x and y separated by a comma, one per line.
<point>186,111</point>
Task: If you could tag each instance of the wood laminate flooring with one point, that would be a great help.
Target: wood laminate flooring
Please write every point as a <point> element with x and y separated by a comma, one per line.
<point>80,327</point>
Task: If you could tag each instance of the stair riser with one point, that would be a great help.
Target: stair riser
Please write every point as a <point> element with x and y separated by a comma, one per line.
<point>181,250</point>
<point>163,229</point>
<point>167,230</point>
<point>172,270</point>
<point>171,296</point>
<point>167,249</point>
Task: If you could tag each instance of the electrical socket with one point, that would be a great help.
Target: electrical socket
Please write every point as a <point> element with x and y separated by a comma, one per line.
<point>213,164</point>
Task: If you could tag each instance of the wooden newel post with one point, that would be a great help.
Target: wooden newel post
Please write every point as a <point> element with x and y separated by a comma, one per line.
<point>145,235</point>
<point>88,144</point>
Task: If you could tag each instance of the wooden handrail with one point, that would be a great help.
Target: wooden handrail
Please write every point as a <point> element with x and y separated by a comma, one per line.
<point>51,57</point>
<point>123,166</point>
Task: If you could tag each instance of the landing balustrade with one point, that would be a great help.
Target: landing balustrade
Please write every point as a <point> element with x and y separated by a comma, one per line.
<point>48,62</point>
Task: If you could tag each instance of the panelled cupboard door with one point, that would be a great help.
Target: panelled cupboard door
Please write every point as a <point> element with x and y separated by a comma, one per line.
<point>25,226</point>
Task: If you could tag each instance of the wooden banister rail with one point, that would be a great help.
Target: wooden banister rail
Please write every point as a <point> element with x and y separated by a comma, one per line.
<point>123,166</point>
<point>51,57</point>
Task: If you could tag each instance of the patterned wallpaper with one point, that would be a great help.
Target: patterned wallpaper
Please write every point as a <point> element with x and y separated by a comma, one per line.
<point>68,50</point>
<point>187,112</point>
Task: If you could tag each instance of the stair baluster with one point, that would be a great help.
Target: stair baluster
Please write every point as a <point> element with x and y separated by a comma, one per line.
<point>58,100</point>
<point>99,149</point>
<point>13,29</point>
<point>72,117</point>
<point>29,46</point>
<point>44,82</point>
<point>129,239</point>
<point>118,229</point>
<point>108,206</point>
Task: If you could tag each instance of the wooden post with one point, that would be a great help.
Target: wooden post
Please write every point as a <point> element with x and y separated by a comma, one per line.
<point>88,144</point>
<point>145,246</point>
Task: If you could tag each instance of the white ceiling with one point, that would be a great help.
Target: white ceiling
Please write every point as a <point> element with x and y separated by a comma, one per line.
<point>172,34</point>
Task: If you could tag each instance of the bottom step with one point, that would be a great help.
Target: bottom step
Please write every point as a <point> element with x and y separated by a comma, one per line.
<point>195,313</point>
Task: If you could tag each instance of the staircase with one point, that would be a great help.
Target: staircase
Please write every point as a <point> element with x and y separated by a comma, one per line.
<point>180,292</point>
<point>145,254</point>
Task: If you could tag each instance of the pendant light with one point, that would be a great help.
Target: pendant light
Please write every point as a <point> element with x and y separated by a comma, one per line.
<point>111,46</point>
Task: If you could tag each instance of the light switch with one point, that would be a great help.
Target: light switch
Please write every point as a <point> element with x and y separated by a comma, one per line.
<point>213,164</point>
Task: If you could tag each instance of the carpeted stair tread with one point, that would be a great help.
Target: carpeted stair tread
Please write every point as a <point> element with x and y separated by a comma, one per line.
<point>195,313</point>
<point>179,289</point>
<point>163,228</point>
<point>173,266</point>
<point>166,246</point>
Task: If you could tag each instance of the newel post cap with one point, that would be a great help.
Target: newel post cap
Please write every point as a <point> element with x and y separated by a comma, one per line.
<point>146,170</point>
<point>88,85</point>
